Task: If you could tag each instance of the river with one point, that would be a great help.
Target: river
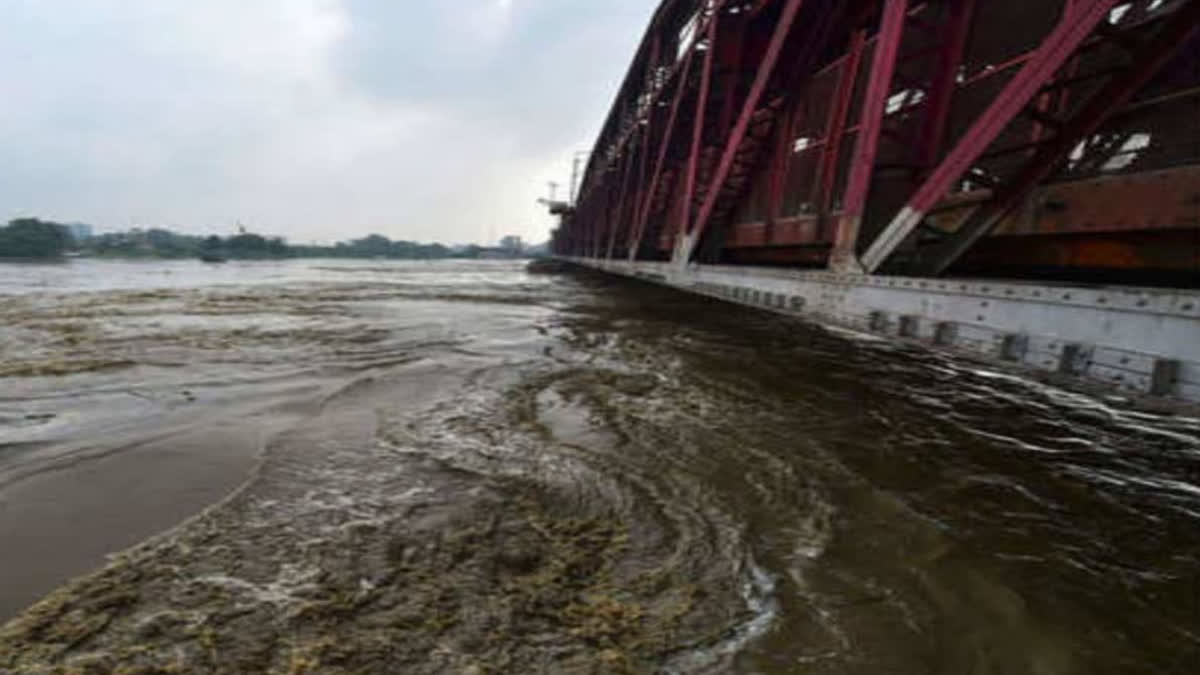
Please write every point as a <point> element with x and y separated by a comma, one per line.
<point>465,467</point>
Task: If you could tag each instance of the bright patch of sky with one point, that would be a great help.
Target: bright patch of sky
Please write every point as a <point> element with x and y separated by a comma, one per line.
<point>311,119</point>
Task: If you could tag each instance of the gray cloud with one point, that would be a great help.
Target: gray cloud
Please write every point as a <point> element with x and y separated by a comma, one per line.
<point>314,119</point>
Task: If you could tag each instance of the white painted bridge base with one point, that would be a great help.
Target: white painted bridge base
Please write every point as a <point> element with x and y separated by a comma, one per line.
<point>1137,339</point>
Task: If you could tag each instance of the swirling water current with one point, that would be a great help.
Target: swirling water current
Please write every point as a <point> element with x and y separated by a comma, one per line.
<point>467,467</point>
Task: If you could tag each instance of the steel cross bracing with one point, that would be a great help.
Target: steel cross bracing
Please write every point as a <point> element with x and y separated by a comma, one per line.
<point>1017,137</point>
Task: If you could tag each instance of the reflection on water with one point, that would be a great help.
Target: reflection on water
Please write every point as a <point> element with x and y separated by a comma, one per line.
<point>475,469</point>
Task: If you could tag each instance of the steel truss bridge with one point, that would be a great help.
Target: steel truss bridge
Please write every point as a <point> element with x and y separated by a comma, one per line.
<point>880,163</point>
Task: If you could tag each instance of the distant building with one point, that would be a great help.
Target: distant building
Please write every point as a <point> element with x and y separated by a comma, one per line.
<point>512,244</point>
<point>81,231</point>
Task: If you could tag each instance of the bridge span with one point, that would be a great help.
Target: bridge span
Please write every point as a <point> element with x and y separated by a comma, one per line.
<point>1015,178</point>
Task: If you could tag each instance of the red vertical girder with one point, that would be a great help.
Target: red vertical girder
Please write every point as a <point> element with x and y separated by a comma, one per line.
<point>610,214</point>
<point>1146,61</point>
<point>618,215</point>
<point>836,128</point>
<point>639,150</point>
<point>689,181</point>
<point>644,154</point>
<point>779,166</point>
<point>668,133</point>
<point>628,198</point>
<point>691,235</point>
<point>652,39</point>
<point>651,116</point>
<point>1077,23</point>
<point>603,215</point>
<point>599,199</point>
<point>862,167</point>
<point>941,94</point>
<point>737,48</point>
<point>614,113</point>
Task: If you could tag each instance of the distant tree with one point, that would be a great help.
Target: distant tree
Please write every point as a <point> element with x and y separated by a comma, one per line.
<point>168,244</point>
<point>277,247</point>
<point>374,245</point>
<point>246,245</point>
<point>471,251</point>
<point>33,238</point>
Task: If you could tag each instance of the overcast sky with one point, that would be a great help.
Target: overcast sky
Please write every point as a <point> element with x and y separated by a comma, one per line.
<point>312,119</point>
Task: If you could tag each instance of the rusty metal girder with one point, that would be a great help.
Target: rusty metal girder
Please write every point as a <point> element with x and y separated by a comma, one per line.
<point>906,130</point>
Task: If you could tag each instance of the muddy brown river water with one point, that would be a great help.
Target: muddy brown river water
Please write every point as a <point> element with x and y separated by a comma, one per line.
<point>462,467</point>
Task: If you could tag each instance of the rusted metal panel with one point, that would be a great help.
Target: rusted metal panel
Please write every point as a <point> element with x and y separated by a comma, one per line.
<point>801,231</point>
<point>1166,199</point>
<point>1164,256</point>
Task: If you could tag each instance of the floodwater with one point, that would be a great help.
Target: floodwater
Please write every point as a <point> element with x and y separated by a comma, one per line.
<point>462,467</point>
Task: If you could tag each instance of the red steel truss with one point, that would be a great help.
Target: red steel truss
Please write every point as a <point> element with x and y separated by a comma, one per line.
<point>1032,137</point>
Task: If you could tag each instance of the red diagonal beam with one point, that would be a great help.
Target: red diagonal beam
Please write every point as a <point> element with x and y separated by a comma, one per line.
<point>836,126</point>
<point>618,214</point>
<point>668,133</point>
<point>1146,61</point>
<point>619,143</point>
<point>1077,23</point>
<point>614,113</point>
<point>765,69</point>
<point>644,153</point>
<point>862,163</point>
<point>689,177</point>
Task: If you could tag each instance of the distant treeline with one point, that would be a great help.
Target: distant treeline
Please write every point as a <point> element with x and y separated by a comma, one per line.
<point>30,238</point>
